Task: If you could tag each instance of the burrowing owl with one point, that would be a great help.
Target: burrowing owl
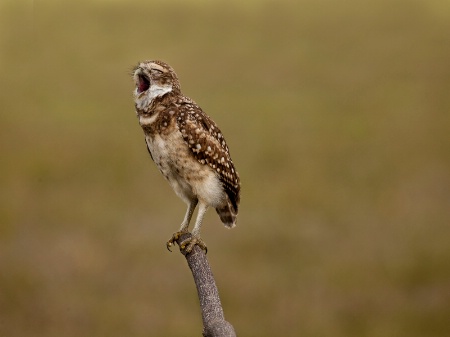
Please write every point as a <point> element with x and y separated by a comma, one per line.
<point>188,148</point>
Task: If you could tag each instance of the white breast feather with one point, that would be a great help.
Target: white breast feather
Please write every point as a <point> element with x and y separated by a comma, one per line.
<point>195,180</point>
<point>144,120</point>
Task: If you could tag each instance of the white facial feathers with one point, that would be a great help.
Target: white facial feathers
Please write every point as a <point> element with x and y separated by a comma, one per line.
<point>149,85</point>
<point>144,99</point>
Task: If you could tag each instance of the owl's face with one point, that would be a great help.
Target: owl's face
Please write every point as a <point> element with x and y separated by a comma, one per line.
<point>153,79</point>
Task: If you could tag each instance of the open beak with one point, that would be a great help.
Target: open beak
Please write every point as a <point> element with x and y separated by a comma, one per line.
<point>143,82</point>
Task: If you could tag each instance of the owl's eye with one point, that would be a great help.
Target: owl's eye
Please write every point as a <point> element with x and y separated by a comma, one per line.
<point>156,71</point>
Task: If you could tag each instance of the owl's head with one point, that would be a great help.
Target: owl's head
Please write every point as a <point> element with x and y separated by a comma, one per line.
<point>154,79</point>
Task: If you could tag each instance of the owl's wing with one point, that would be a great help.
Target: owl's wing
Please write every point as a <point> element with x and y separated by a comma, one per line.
<point>208,146</point>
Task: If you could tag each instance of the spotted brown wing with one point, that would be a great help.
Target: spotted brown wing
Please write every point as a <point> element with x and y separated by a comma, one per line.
<point>208,146</point>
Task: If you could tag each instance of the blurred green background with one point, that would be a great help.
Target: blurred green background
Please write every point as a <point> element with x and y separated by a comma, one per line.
<point>337,114</point>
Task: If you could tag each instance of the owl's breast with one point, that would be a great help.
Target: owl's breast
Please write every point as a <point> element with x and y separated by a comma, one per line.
<point>184,173</point>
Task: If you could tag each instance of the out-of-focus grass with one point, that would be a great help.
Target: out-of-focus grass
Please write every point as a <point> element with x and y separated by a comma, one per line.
<point>337,115</point>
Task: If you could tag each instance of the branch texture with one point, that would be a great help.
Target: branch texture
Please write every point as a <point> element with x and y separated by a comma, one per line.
<point>214,323</point>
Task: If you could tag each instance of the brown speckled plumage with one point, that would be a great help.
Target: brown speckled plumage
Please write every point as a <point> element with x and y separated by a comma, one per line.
<point>187,146</point>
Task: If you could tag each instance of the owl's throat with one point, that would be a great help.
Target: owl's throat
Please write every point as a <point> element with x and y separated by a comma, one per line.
<point>143,83</point>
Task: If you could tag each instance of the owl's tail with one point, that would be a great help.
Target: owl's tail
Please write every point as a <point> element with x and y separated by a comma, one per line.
<point>227,214</point>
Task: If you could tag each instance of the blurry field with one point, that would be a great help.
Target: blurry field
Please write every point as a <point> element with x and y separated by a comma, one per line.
<point>338,119</point>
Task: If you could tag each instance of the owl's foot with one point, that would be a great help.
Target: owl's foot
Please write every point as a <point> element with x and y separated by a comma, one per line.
<point>174,238</point>
<point>191,241</point>
<point>188,243</point>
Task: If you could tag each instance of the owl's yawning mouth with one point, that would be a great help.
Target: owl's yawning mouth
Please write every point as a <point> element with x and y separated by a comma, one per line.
<point>143,83</point>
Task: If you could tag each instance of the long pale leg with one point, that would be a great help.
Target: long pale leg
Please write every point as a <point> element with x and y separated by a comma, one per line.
<point>184,224</point>
<point>195,238</point>
<point>188,216</point>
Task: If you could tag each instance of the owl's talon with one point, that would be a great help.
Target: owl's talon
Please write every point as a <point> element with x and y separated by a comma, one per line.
<point>171,242</point>
<point>168,245</point>
<point>191,242</point>
<point>173,239</point>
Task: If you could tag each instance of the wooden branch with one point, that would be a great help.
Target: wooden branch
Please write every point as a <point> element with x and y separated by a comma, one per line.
<point>214,323</point>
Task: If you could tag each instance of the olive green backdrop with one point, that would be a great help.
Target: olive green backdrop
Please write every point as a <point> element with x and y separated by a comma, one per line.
<point>337,114</point>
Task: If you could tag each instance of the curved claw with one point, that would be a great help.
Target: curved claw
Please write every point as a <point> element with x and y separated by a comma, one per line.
<point>172,240</point>
<point>168,245</point>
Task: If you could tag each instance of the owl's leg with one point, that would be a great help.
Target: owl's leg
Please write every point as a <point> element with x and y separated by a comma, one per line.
<point>185,224</point>
<point>188,215</point>
<point>195,238</point>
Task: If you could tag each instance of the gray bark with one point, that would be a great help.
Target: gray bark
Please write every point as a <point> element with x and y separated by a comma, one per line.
<point>214,323</point>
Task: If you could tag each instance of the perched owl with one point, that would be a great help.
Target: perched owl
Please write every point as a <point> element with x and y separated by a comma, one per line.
<point>187,147</point>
